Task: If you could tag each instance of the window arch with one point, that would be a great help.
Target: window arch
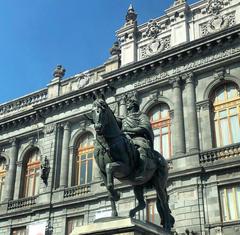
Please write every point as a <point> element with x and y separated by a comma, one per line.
<point>32,173</point>
<point>226,113</point>
<point>161,124</point>
<point>84,159</point>
<point>2,176</point>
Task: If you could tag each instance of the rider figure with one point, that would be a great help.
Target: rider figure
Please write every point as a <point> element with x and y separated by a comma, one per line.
<point>136,125</point>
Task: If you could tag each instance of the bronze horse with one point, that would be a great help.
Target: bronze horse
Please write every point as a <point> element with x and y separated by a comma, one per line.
<point>117,157</point>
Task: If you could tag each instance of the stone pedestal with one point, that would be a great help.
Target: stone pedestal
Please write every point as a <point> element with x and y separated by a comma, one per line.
<point>119,226</point>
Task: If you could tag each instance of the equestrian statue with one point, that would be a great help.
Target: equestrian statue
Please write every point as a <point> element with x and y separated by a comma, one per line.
<point>124,150</point>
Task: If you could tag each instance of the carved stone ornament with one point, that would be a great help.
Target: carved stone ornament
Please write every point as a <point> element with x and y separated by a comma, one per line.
<point>156,46</point>
<point>153,29</point>
<point>59,72</point>
<point>115,50</point>
<point>45,169</point>
<point>218,23</point>
<point>48,129</point>
<point>131,16</point>
<point>83,80</point>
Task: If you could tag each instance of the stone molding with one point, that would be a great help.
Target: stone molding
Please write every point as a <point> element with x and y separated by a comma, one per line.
<point>49,128</point>
<point>203,105</point>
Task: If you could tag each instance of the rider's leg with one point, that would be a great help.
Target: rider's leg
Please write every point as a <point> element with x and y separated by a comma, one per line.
<point>142,163</point>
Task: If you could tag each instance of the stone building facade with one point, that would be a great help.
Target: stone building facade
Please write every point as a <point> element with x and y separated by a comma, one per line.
<point>185,68</point>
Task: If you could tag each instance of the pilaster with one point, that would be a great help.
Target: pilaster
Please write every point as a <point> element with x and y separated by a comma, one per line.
<point>205,125</point>
<point>179,22</point>
<point>11,171</point>
<point>65,155</point>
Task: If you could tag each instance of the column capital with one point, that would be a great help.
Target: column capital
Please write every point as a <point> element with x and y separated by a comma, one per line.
<point>121,99</point>
<point>188,77</point>
<point>175,81</point>
<point>13,141</point>
<point>66,125</point>
<point>204,105</point>
<point>19,163</point>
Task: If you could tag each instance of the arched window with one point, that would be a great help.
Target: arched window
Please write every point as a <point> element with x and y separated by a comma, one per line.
<point>2,176</point>
<point>226,110</point>
<point>84,159</point>
<point>32,173</point>
<point>160,120</point>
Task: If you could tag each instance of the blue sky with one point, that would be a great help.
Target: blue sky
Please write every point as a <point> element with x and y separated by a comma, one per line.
<point>36,35</point>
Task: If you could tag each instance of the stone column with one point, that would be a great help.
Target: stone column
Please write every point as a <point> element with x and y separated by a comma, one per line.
<point>122,106</point>
<point>65,155</point>
<point>191,114</point>
<point>178,130</point>
<point>11,174</point>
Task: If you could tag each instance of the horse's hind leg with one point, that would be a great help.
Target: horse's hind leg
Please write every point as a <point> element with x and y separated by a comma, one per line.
<point>138,191</point>
<point>162,204</point>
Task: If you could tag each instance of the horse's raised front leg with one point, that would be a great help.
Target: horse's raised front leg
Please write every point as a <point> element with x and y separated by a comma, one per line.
<point>138,191</point>
<point>110,169</point>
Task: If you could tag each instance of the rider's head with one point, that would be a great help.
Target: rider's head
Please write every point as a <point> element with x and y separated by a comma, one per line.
<point>132,102</point>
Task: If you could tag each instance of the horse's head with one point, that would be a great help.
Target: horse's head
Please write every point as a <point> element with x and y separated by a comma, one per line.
<point>100,115</point>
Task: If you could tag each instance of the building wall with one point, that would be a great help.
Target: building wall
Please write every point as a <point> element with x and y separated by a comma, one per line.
<point>182,75</point>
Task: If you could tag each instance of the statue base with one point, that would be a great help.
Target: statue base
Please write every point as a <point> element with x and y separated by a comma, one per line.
<point>120,226</point>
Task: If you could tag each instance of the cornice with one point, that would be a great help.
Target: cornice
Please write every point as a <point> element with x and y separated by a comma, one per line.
<point>176,54</point>
<point>40,111</point>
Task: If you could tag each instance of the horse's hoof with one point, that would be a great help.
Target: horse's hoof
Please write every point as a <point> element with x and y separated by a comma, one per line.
<point>116,196</point>
<point>131,213</point>
<point>114,214</point>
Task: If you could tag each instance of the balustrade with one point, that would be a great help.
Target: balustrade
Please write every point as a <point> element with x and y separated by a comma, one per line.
<point>77,191</point>
<point>226,152</point>
<point>23,202</point>
<point>23,102</point>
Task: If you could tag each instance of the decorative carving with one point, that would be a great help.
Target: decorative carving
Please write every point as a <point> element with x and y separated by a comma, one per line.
<point>2,150</point>
<point>83,80</point>
<point>187,77</point>
<point>215,6</point>
<point>175,81</point>
<point>115,50</point>
<point>50,128</point>
<point>218,23</point>
<point>32,141</point>
<point>59,72</point>
<point>204,105</point>
<point>220,74</point>
<point>153,29</point>
<point>45,169</point>
<point>131,16</point>
<point>225,53</point>
<point>178,2</point>
<point>155,46</point>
